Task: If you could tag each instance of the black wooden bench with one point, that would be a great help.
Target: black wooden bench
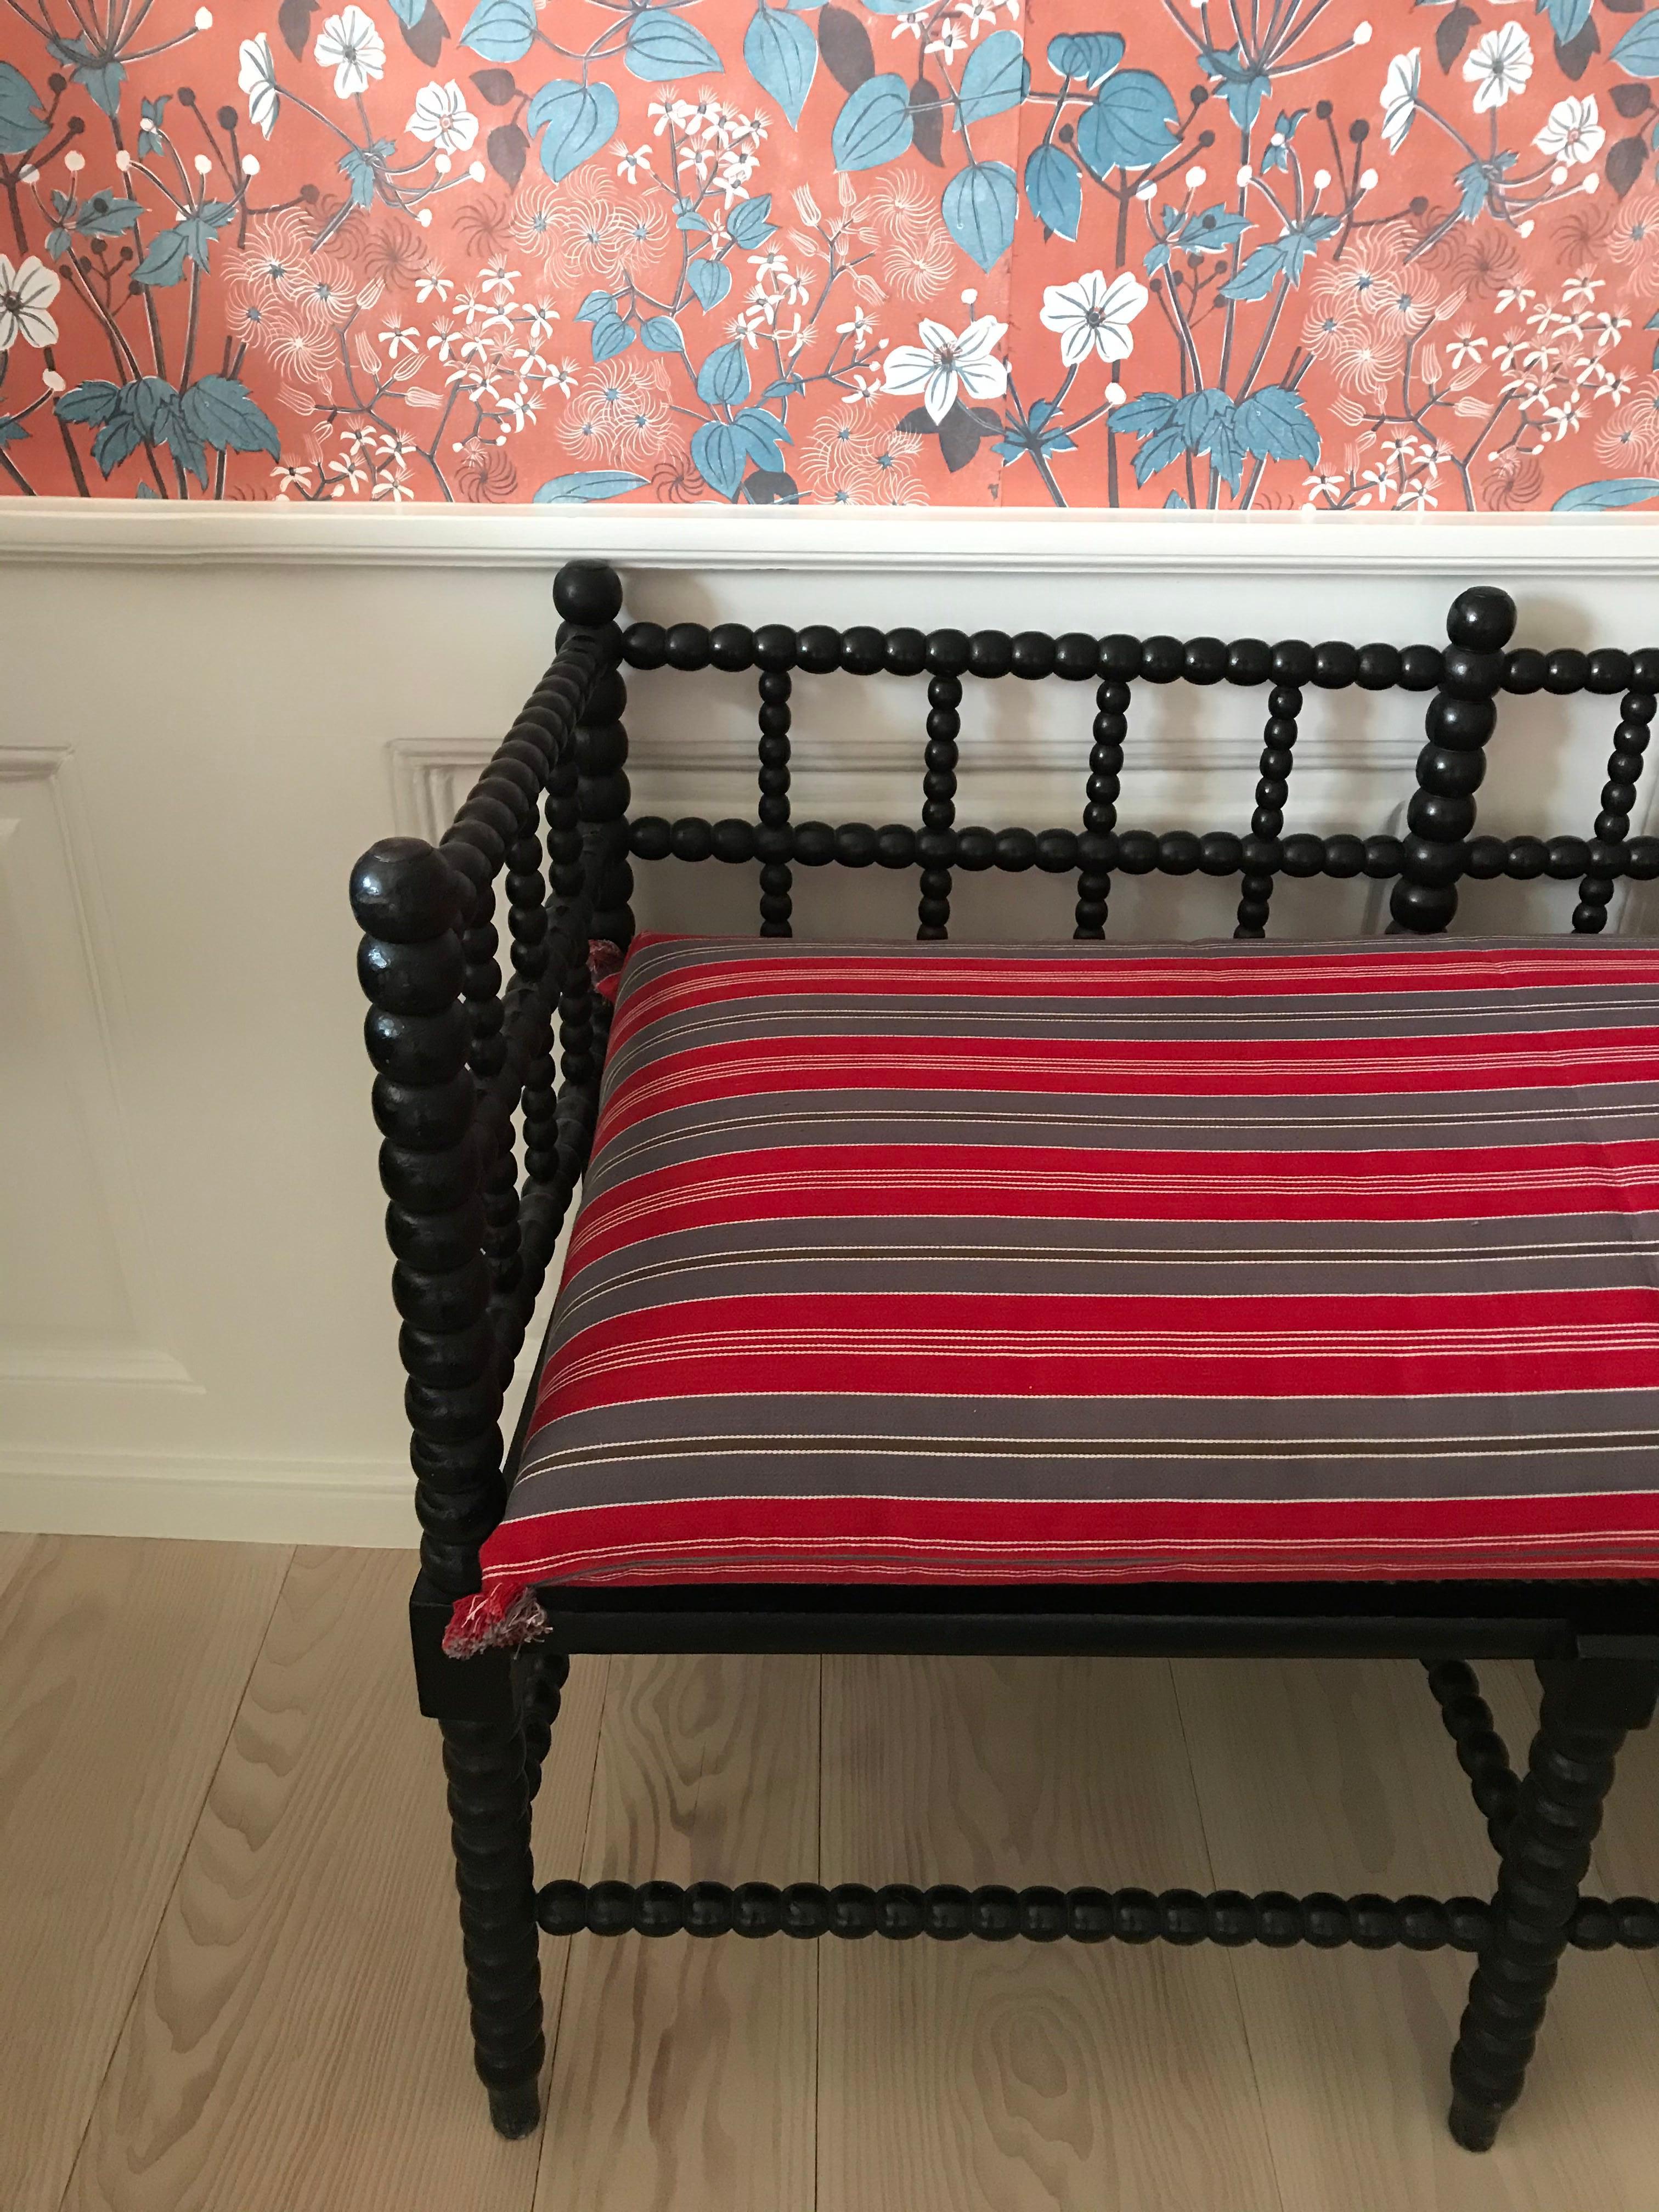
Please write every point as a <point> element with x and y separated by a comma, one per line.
<point>487,1141</point>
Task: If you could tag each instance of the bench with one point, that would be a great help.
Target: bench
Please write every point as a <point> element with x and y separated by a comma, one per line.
<point>1258,1298</point>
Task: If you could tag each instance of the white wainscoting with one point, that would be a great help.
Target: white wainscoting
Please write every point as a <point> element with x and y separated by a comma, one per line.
<point>208,713</point>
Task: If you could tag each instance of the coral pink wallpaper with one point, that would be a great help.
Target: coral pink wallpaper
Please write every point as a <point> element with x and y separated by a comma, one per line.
<point>1211,254</point>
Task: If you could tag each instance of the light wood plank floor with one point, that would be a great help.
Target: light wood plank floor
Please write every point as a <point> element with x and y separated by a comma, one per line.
<point>229,1972</point>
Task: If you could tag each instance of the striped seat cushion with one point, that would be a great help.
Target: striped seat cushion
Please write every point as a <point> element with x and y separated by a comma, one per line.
<point>958,1263</point>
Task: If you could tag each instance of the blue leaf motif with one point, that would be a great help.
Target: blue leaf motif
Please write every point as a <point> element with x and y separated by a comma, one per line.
<point>980,207</point>
<point>710,280</point>
<point>1274,420</point>
<point>1567,17</point>
<point>22,118</point>
<point>94,401</point>
<point>661,47</point>
<point>781,54</point>
<point>1615,491</point>
<point>119,437</point>
<point>1150,411</point>
<point>1258,273</point>
<point>719,454</point>
<point>1206,422</point>
<point>595,305</point>
<point>1090,55</point>
<point>661,334</point>
<point>104,215</point>
<point>1157,450</point>
<point>101,77</point>
<point>997,77</point>
<point>1244,88</point>
<point>1638,51</point>
<point>723,379</point>
<point>501,30</point>
<point>875,125</point>
<point>576,118</point>
<point>1130,124</point>
<point>222,412</point>
<point>763,437</point>
<point>358,170</point>
<point>1211,230</point>
<point>1477,184</point>
<point>152,400</point>
<point>408,12</point>
<point>164,259</point>
<point>611,336</point>
<point>1054,190</point>
<point>582,484</point>
<point>104,80</point>
<point>751,221</point>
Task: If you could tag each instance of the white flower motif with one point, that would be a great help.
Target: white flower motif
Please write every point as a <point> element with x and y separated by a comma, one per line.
<point>257,78</point>
<point>441,118</point>
<point>947,361</point>
<point>1399,96</point>
<point>1499,66</point>
<point>1574,132</point>
<point>1092,316</point>
<point>26,293</point>
<point>349,45</point>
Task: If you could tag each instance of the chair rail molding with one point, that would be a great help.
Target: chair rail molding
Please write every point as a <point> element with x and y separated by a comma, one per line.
<point>1538,549</point>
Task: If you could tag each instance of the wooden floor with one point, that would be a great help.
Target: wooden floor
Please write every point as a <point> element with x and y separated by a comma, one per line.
<point>229,1972</point>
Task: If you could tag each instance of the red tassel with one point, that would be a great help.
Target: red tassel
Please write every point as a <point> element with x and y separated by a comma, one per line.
<point>495,1619</point>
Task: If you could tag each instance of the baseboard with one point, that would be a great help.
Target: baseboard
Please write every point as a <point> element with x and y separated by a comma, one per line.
<point>49,1491</point>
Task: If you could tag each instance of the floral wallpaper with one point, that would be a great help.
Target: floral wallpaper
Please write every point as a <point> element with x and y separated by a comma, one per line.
<point>1203,253</point>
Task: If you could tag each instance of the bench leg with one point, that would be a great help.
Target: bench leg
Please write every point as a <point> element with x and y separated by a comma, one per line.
<point>1588,1705</point>
<point>489,1819</point>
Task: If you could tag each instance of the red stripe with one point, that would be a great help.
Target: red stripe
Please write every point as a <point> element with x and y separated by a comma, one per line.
<point>874,1539</point>
<point>1220,1067</point>
<point>1015,1182</point>
<point>893,1345</point>
<point>717,970</point>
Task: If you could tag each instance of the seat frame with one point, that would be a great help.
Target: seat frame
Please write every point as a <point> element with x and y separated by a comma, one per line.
<point>466,1077</point>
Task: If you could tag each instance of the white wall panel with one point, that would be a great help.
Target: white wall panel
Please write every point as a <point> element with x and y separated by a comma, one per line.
<point>207,715</point>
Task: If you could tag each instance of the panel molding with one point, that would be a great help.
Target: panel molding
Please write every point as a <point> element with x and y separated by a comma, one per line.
<point>1544,550</point>
<point>139,1359</point>
<point>430,777</point>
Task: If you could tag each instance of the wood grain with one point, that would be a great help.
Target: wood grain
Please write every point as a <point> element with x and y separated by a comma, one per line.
<point>299,2042</point>
<point>14,1551</point>
<point>1338,1776</point>
<point>683,2074</point>
<point>121,1667</point>
<point>1014,2075</point>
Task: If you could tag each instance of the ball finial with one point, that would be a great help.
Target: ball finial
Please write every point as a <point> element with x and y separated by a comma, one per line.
<point>588,592</point>
<point>1482,619</point>
<point>404,892</point>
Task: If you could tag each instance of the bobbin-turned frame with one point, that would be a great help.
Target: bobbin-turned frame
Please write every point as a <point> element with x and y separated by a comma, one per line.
<point>467,1074</point>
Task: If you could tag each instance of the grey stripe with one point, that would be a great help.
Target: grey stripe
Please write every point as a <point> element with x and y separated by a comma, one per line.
<point>826,1259</point>
<point>1400,1019</point>
<point>675,953</point>
<point>1083,1448</point>
<point>1442,1121</point>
